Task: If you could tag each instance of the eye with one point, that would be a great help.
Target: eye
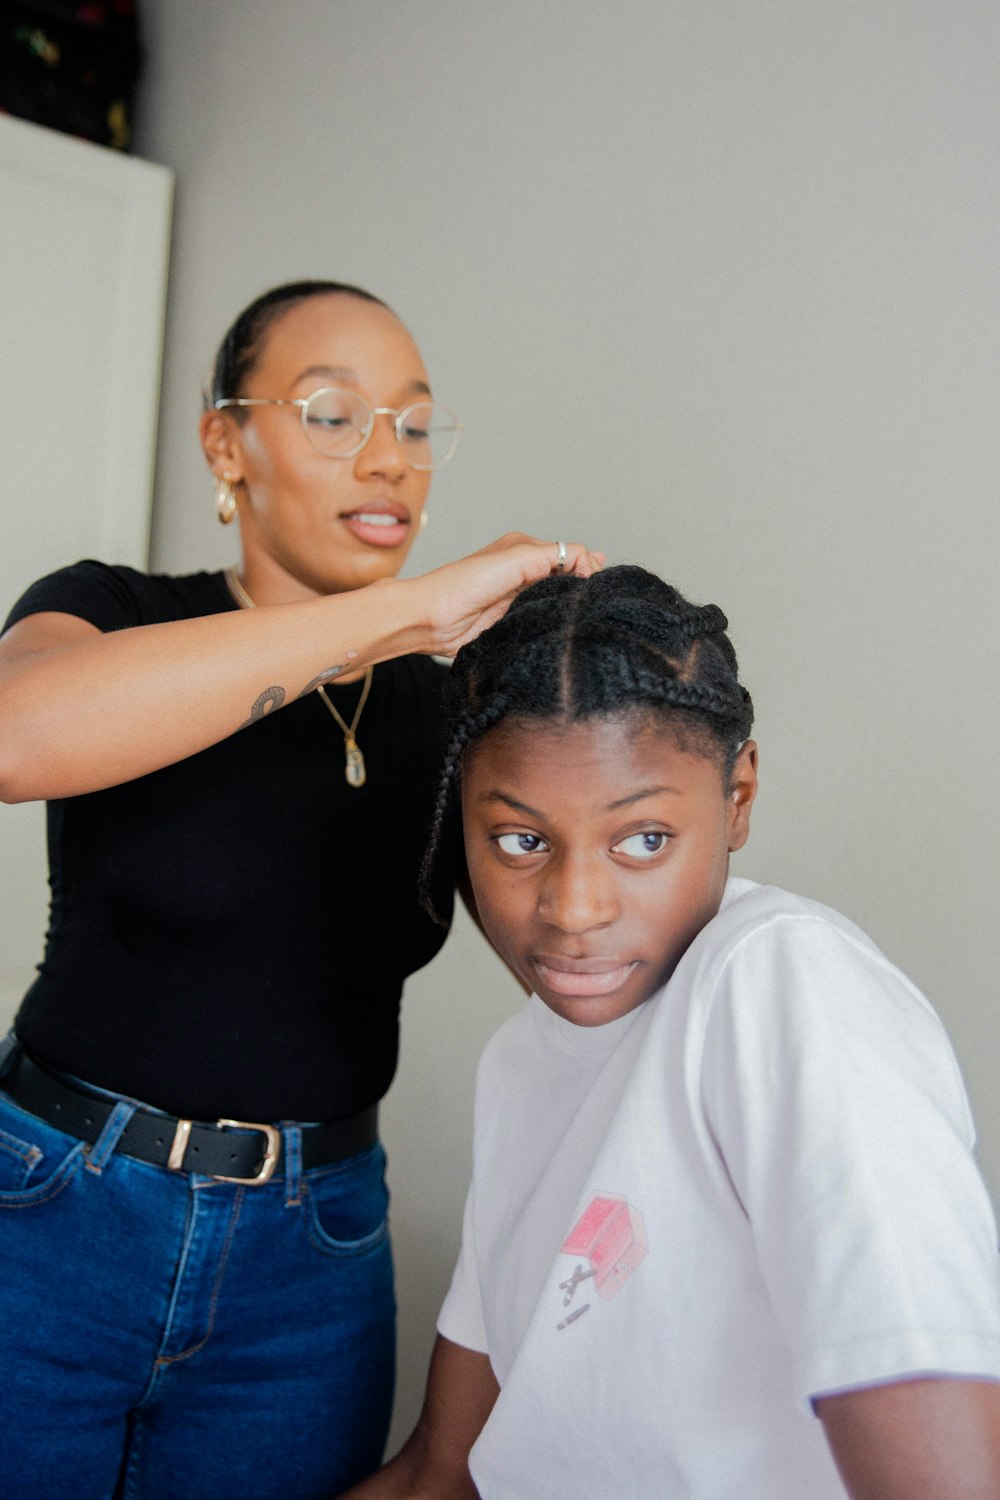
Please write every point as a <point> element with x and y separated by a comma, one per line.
<point>323,419</point>
<point>414,434</point>
<point>520,844</point>
<point>334,416</point>
<point>645,845</point>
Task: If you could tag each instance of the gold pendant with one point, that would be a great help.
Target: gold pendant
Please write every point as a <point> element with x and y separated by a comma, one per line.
<point>354,763</point>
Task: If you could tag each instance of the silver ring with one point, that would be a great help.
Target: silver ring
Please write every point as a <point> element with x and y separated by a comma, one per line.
<point>560,556</point>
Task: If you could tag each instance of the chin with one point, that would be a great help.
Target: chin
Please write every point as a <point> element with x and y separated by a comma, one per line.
<point>346,580</point>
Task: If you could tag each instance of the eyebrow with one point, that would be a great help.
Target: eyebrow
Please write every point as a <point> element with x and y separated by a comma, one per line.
<point>533,812</point>
<point>522,807</point>
<point>647,791</point>
<point>343,372</point>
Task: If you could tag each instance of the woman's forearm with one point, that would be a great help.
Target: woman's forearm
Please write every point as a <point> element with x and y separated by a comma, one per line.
<point>80,710</point>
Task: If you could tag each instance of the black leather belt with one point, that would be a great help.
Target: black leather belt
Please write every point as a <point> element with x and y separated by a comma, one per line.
<point>229,1150</point>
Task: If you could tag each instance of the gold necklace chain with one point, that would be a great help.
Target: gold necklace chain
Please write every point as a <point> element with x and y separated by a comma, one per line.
<point>355,771</point>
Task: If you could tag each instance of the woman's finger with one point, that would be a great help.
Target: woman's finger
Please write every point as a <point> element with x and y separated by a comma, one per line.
<point>575,557</point>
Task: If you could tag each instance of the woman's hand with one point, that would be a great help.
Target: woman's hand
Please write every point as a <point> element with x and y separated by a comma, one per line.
<point>463,598</point>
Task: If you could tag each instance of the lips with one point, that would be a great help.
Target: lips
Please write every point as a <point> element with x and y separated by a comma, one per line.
<point>582,978</point>
<point>378,524</point>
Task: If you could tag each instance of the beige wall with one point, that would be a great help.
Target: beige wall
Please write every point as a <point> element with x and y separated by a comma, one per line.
<point>713,284</point>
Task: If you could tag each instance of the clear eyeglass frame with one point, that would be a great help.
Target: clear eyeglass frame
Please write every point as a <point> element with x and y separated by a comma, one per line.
<point>427,410</point>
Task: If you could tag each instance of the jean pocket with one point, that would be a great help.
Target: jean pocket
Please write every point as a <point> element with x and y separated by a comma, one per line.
<point>347,1206</point>
<point>36,1161</point>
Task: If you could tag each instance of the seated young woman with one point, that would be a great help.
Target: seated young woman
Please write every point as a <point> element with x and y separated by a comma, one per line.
<point>725,1239</point>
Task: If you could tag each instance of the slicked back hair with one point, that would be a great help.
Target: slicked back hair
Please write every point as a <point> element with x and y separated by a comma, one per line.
<point>617,644</point>
<point>241,347</point>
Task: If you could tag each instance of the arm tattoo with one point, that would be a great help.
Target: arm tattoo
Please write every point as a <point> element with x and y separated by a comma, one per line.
<point>270,699</point>
<point>326,676</point>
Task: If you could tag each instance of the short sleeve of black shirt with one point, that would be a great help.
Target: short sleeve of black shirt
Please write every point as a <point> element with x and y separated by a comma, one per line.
<point>116,597</point>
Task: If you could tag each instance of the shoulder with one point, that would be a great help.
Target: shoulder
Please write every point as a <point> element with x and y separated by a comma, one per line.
<point>786,984</point>
<point>767,926</point>
<point>792,972</point>
<point>113,597</point>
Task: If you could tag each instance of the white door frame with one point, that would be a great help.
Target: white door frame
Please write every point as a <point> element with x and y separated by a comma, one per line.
<point>84,238</point>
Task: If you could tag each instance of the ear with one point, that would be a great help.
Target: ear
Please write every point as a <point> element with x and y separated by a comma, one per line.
<point>739,797</point>
<point>221,444</point>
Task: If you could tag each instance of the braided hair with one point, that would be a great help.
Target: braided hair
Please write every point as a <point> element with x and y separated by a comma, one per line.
<point>572,649</point>
<point>240,349</point>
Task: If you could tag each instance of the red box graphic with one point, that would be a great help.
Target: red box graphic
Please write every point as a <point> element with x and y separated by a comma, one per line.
<point>611,1234</point>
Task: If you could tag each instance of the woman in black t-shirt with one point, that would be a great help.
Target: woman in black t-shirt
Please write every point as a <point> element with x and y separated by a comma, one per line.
<point>197,1291</point>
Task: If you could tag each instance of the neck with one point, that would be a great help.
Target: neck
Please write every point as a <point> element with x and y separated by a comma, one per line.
<point>269,584</point>
<point>248,596</point>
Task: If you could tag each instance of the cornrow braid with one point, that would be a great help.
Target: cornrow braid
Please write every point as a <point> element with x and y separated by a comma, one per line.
<point>699,697</point>
<point>574,649</point>
<point>464,731</point>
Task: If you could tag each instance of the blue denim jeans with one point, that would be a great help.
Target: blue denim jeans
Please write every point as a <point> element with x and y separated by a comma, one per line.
<point>170,1337</point>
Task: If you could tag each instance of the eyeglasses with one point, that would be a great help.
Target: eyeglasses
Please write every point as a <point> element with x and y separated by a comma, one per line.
<point>339,423</point>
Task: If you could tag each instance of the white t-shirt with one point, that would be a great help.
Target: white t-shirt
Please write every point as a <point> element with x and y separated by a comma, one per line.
<point>755,1189</point>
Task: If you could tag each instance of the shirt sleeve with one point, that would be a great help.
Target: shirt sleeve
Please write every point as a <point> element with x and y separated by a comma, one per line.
<point>91,590</point>
<point>836,1103</point>
<point>461,1318</point>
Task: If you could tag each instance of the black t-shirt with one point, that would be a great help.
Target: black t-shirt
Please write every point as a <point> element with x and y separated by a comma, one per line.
<point>229,935</point>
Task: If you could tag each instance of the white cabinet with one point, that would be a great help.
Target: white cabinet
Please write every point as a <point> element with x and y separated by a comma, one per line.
<point>84,241</point>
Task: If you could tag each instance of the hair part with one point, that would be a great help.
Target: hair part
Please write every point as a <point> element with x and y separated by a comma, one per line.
<point>241,347</point>
<point>570,649</point>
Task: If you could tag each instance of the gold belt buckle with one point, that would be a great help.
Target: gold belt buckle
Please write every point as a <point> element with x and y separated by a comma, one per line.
<point>272,1149</point>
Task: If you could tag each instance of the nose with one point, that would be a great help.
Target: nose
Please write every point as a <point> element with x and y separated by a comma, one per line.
<point>382,454</point>
<point>578,895</point>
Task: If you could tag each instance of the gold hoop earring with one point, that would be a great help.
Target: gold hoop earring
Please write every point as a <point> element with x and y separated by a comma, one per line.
<point>422,523</point>
<point>225,499</point>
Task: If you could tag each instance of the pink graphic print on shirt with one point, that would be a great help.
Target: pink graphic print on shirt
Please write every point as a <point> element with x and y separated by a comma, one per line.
<point>610,1233</point>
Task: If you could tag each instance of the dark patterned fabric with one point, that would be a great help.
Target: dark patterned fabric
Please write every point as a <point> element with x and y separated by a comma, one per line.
<point>71,66</point>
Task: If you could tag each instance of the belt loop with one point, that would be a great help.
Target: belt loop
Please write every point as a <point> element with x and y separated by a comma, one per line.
<point>293,1164</point>
<point>97,1154</point>
<point>10,1049</point>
